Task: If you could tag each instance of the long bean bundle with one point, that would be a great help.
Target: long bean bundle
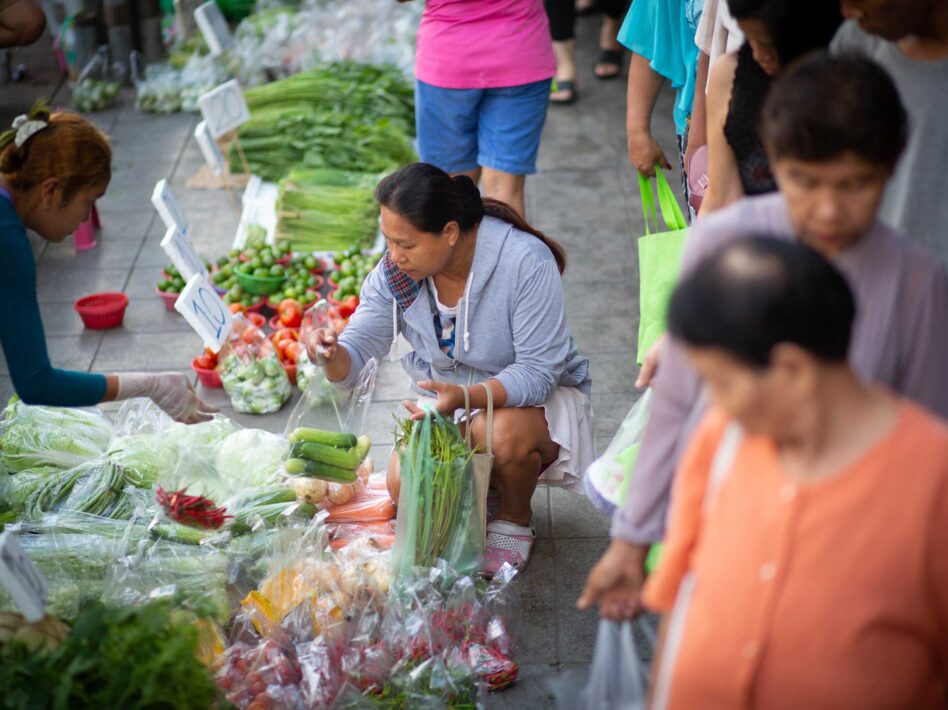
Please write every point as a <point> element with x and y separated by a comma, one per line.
<point>327,210</point>
<point>343,115</point>
<point>436,507</point>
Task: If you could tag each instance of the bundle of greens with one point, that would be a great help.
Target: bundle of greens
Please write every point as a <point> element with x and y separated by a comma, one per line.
<point>327,210</point>
<point>437,514</point>
<point>36,437</point>
<point>143,657</point>
<point>343,115</point>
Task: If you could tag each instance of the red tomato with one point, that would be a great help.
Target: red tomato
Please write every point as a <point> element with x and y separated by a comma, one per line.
<point>249,335</point>
<point>204,362</point>
<point>291,318</point>
<point>237,308</point>
<point>289,303</point>
<point>284,333</point>
<point>292,351</point>
<point>282,346</point>
<point>348,307</point>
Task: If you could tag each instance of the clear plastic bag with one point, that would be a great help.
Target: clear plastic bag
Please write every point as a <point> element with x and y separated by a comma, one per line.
<point>251,372</point>
<point>96,89</point>
<point>438,515</point>
<point>319,315</point>
<point>347,411</point>
<point>34,437</point>
<point>618,676</point>
<point>608,478</point>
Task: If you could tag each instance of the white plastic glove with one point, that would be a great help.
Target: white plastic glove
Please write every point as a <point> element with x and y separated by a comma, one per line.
<point>172,391</point>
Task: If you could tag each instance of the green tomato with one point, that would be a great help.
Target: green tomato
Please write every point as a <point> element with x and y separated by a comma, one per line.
<point>290,293</point>
<point>178,282</point>
<point>246,301</point>
<point>234,253</point>
<point>276,297</point>
<point>267,260</point>
<point>261,273</point>
<point>335,276</point>
<point>347,268</point>
<point>310,262</point>
<point>311,280</point>
<point>164,285</point>
<point>277,270</point>
<point>222,261</point>
<point>339,257</point>
<point>250,253</point>
<point>256,263</point>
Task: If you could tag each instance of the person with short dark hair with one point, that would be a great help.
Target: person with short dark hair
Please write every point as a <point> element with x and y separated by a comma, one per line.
<point>832,155</point>
<point>909,39</point>
<point>806,563</point>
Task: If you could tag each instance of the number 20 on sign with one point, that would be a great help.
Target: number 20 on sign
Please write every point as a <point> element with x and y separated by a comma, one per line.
<point>224,108</point>
<point>204,311</point>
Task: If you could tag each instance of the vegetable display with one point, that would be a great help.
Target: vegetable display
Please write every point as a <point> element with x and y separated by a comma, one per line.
<point>91,95</point>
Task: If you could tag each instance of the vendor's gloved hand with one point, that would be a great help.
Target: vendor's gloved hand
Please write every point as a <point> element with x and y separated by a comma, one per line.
<point>172,391</point>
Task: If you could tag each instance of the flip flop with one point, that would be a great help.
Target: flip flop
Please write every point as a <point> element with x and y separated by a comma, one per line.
<point>608,56</point>
<point>567,86</point>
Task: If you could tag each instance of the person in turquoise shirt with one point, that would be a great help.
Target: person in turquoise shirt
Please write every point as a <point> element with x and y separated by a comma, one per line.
<point>661,36</point>
<point>52,168</point>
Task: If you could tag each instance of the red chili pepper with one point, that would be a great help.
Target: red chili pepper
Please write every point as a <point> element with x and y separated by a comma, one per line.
<point>196,511</point>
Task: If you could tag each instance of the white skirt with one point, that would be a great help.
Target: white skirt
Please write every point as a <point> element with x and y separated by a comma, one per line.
<point>569,416</point>
<point>572,425</point>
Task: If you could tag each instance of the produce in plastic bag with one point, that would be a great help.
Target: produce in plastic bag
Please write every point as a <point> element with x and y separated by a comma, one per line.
<point>251,458</point>
<point>251,372</point>
<point>437,513</point>
<point>95,90</point>
<point>607,479</point>
<point>347,413</point>
<point>323,392</point>
<point>618,676</point>
<point>334,457</point>
<point>266,675</point>
<point>32,437</point>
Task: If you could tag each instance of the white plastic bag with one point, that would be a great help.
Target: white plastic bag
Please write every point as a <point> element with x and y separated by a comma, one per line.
<point>607,479</point>
<point>618,676</point>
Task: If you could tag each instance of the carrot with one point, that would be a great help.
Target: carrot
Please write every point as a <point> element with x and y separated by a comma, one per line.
<point>370,509</point>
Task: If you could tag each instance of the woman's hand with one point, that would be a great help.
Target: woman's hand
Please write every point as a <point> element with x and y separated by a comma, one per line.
<point>645,152</point>
<point>616,581</point>
<point>450,398</point>
<point>650,363</point>
<point>322,345</point>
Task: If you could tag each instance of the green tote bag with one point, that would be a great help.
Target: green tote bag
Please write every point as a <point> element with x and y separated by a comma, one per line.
<point>659,258</point>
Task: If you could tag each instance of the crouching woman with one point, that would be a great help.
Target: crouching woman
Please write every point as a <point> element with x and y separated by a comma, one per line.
<point>477,293</point>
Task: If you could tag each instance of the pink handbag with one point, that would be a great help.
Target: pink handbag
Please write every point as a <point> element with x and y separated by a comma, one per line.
<point>697,177</point>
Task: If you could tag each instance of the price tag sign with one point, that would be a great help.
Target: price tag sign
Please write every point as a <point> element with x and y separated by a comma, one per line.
<point>212,153</point>
<point>204,310</point>
<point>224,108</point>
<point>23,581</point>
<point>182,255</point>
<point>214,27</point>
<point>168,208</point>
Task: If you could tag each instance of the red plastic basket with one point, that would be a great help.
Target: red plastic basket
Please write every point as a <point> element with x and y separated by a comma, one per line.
<point>168,298</point>
<point>102,310</point>
<point>208,378</point>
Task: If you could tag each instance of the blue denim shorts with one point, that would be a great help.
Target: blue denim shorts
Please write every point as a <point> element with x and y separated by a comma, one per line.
<point>462,129</point>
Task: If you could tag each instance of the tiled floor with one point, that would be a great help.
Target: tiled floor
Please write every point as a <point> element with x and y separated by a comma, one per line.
<point>582,196</point>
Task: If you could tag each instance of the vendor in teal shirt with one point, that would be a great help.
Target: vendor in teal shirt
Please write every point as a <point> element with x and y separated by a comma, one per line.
<point>52,168</point>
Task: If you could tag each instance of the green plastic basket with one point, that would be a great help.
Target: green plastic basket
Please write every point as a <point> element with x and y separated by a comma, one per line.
<point>260,285</point>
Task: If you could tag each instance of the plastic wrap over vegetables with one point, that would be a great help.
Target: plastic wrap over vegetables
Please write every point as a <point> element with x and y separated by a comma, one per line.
<point>33,437</point>
<point>251,371</point>
<point>437,512</point>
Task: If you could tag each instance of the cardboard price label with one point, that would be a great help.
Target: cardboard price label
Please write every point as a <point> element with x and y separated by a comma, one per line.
<point>22,580</point>
<point>214,28</point>
<point>212,153</point>
<point>168,208</point>
<point>204,310</point>
<point>179,250</point>
<point>224,108</point>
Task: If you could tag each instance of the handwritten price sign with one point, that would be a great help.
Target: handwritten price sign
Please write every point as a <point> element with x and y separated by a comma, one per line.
<point>224,108</point>
<point>168,208</point>
<point>179,250</point>
<point>23,581</point>
<point>209,149</point>
<point>204,310</point>
<point>214,28</point>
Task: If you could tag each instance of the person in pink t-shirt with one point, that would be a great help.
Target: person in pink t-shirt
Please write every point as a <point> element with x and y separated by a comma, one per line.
<point>483,70</point>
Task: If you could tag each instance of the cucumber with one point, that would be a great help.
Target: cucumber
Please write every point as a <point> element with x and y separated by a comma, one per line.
<point>181,534</point>
<point>343,458</point>
<point>313,469</point>
<point>317,436</point>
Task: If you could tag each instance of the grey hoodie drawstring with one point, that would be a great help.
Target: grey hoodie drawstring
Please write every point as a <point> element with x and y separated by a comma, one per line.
<point>467,310</point>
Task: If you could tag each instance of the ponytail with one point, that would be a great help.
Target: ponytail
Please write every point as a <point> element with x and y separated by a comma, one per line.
<point>429,198</point>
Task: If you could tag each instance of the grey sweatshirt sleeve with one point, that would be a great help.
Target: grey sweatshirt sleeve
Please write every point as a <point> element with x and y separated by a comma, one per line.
<point>372,328</point>
<point>540,338</point>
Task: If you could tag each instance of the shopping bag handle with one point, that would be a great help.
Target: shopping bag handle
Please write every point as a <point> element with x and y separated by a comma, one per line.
<point>672,215</point>
<point>490,416</point>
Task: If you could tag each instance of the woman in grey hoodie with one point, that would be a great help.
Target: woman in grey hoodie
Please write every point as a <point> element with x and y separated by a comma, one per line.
<point>477,294</point>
